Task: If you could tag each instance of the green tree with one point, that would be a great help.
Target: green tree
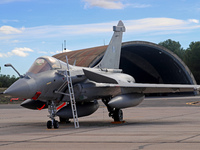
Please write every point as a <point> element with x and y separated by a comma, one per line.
<point>6,80</point>
<point>174,47</point>
<point>192,59</point>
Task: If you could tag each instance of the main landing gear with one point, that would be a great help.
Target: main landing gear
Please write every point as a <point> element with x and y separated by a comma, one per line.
<point>116,114</point>
<point>52,111</point>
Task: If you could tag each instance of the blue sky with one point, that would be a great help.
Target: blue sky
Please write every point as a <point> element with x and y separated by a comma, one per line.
<point>33,28</point>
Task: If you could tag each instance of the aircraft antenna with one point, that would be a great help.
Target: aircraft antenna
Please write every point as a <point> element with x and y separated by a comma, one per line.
<point>65,48</point>
<point>62,47</point>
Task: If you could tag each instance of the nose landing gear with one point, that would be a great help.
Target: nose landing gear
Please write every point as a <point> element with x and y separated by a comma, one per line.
<point>52,111</point>
<point>53,123</point>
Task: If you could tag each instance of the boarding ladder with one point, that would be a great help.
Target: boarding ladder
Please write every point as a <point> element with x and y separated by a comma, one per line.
<point>68,82</point>
<point>72,97</point>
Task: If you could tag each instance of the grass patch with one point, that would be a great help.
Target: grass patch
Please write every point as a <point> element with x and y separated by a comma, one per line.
<point>6,99</point>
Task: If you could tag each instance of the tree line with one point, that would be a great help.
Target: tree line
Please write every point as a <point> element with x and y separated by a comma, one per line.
<point>190,56</point>
<point>7,80</point>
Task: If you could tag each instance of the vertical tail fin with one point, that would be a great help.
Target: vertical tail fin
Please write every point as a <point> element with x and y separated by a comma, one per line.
<point>112,55</point>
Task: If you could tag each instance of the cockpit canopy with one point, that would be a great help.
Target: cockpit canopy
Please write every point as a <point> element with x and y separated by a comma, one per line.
<point>45,63</point>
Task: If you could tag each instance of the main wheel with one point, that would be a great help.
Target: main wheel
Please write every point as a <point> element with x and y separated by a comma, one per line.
<point>49,124</point>
<point>55,124</point>
<point>118,115</point>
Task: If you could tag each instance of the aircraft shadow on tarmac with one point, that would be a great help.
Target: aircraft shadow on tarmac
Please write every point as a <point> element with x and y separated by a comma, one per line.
<point>86,124</point>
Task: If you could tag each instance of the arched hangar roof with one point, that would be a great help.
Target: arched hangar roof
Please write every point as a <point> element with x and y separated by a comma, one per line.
<point>146,62</point>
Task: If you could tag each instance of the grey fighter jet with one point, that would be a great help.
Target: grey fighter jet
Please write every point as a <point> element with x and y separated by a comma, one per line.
<point>53,84</point>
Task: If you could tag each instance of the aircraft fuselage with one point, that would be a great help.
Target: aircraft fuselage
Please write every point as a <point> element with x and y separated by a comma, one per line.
<point>42,85</point>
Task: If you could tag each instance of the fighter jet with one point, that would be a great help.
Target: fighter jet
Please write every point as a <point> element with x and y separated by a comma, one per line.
<point>70,91</point>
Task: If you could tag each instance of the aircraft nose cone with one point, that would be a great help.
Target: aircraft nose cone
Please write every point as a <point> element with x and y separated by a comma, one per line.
<point>21,88</point>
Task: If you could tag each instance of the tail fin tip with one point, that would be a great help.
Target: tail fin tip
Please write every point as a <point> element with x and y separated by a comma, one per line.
<point>111,57</point>
<point>120,27</point>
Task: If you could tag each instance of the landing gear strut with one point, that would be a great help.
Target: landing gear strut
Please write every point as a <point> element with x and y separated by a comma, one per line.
<point>52,111</point>
<point>116,114</point>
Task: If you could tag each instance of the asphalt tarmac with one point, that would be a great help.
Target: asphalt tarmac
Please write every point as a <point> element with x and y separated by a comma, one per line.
<point>156,124</point>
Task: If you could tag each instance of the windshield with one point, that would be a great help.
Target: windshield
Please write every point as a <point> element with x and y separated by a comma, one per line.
<point>40,65</point>
<point>54,63</point>
<point>44,63</point>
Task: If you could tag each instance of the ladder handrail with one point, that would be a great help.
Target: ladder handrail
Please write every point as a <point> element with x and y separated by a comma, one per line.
<point>62,87</point>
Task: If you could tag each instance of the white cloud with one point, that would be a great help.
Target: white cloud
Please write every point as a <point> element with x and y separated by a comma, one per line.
<point>7,21</point>
<point>66,50</point>
<point>193,20</point>
<point>107,4</point>
<point>133,27</point>
<point>15,41</point>
<point>42,52</point>
<point>137,5</point>
<point>49,31</point>
<point>8,54</point>
<point>57,52</point>
<point>160,24</point>
<point>112,4</point>
<point>22,52</point>
<point>9,30</point>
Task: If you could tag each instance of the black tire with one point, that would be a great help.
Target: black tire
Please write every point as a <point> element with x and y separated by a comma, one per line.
<point>118,115</point>
<point>49,124</point>
<point>55,124</point>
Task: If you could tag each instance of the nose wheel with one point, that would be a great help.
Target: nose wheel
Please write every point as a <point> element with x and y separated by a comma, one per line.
<point>53,123</point>
<point>52,111</point>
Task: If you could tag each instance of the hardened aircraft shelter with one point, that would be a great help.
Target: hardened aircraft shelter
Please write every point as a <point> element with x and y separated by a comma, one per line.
<point>145,61</point>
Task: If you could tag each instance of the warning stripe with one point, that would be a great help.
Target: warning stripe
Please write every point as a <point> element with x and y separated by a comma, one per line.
<point>62,105</point>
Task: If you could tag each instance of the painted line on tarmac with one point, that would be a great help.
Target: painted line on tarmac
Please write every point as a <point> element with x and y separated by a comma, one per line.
<point>194,103</point>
